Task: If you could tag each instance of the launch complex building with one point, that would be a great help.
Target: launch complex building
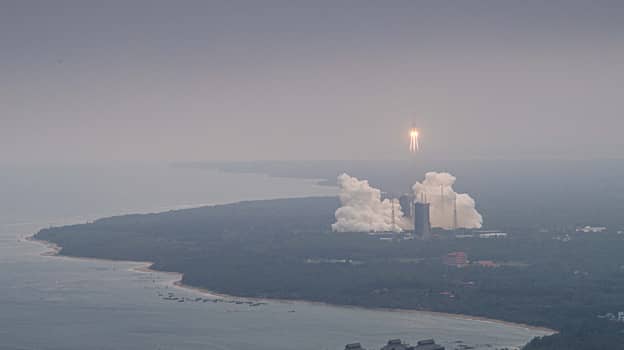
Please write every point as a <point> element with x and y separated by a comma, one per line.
<point>418,210</point>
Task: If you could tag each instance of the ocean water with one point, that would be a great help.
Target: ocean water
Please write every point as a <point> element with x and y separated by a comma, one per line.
<point>49,302</point>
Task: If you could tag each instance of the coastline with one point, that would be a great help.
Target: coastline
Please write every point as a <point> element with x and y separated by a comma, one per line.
<point>54,250</point>
<point>208,292</point>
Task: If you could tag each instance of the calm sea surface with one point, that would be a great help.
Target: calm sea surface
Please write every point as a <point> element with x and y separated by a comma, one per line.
<point>62,303</point>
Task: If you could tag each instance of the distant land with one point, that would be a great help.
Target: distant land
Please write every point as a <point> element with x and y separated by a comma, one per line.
<point>284,249</point>
<point>537,193</point>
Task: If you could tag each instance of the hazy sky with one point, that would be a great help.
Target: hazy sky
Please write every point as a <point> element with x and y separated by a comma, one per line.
<point>219,80</point>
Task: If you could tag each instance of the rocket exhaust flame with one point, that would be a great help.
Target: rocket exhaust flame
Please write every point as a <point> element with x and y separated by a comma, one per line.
<point>414,144</point>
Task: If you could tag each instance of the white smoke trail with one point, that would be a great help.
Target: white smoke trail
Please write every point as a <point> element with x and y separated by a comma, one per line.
<point>363,210</point>
<point>446,206</point>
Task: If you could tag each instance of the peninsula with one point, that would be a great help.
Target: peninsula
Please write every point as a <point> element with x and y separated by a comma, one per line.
<point>285,249</point>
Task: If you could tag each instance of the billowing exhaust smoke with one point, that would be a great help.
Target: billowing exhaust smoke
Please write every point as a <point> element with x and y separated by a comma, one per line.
<point>448,209</point>
<point>363,210</point>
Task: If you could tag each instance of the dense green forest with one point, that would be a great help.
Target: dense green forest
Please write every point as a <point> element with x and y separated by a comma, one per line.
<point>284,249</point>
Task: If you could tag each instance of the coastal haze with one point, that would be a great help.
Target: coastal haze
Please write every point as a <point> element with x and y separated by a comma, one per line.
<point>52,302</point>
<point>351,167</point>
<point>257,80</point>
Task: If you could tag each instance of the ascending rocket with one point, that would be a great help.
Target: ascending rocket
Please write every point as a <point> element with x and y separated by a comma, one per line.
<point>414,144</point>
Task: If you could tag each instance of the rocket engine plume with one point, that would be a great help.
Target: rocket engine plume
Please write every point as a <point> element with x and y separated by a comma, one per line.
<point>414,144</point>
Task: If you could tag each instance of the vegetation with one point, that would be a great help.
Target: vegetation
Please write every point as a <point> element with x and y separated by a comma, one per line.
<point>284,249</point>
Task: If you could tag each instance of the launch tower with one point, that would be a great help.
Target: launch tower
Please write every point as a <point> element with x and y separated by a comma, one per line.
<point>422,225</point>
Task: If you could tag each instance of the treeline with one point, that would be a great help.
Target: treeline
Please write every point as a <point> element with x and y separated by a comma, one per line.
<point>585,335</point>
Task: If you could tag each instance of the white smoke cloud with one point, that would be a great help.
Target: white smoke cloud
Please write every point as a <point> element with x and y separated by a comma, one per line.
<point>437,190</point>
<point>363,210</point>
